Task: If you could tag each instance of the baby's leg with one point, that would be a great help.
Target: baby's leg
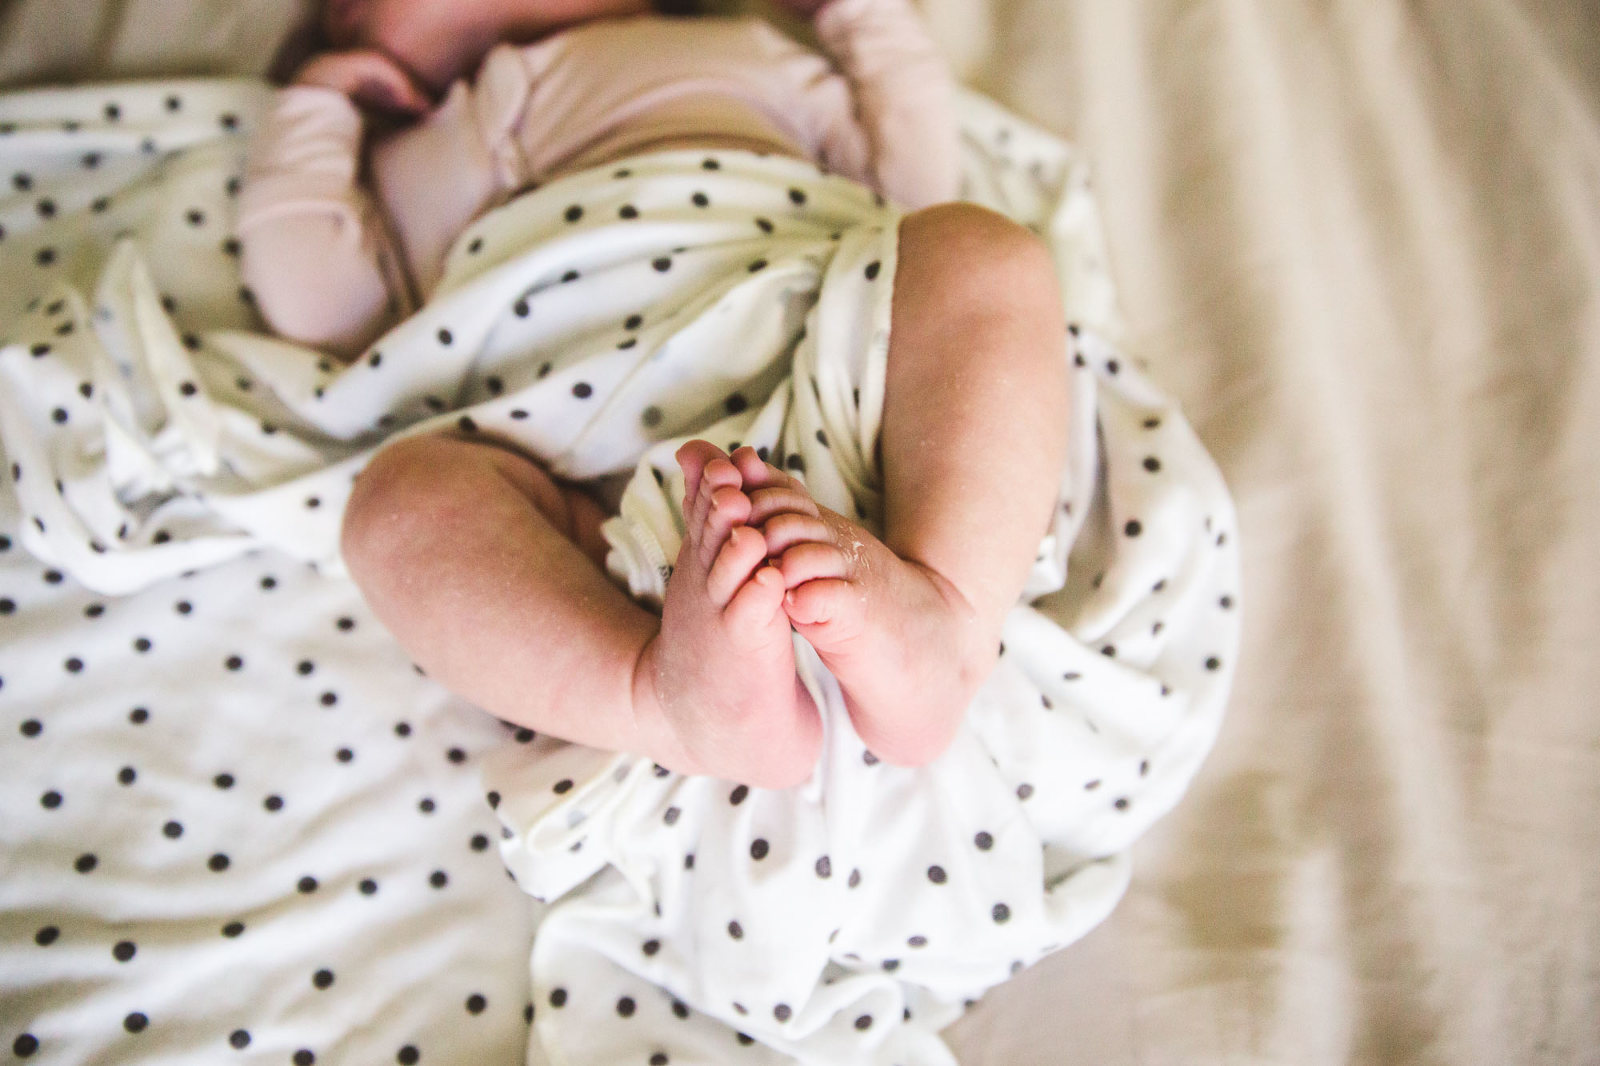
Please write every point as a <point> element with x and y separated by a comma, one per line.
<point>973,443</point>
<point>466,551</point>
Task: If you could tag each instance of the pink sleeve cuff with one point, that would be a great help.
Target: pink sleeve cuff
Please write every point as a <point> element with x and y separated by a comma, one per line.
<point>905,96</point>
<point>304,160</point>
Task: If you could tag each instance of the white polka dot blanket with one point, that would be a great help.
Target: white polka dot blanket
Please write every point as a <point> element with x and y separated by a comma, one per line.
<point>165,452</point>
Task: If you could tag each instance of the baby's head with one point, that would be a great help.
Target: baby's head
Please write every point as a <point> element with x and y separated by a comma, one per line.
<point>440,40</point>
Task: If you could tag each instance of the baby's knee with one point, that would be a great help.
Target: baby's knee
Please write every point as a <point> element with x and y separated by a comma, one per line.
<point>966,267</point>
<point>431,481</point>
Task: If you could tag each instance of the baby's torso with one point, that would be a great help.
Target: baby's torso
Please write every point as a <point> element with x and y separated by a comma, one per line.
<point>603,91</point>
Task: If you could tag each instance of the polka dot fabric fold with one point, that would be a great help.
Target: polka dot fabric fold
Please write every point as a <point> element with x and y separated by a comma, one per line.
<point>164,450</point>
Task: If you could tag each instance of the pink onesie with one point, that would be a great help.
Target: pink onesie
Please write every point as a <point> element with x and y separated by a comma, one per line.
<point>332,268</point>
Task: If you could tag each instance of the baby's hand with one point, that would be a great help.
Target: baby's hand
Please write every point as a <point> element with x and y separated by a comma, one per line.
<point>369,78</point>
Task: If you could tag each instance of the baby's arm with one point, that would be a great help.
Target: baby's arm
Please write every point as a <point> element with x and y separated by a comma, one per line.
<point>905,94</point>
<point>316,251</point>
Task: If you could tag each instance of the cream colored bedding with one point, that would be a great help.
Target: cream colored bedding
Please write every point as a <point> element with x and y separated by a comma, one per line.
<point>1360,241</point>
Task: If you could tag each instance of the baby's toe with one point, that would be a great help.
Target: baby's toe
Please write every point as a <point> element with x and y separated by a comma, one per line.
<point>784,531</point>
<point>692,458</point>
<point>811,560</point>
<point>744,551</point>
<point>728,508</point>
<point>766,502</point>
<point>758,473</point>
<point>757,603</point>
<point>826,601</point>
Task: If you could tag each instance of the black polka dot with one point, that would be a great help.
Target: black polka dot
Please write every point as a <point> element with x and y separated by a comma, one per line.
<point>223,781</point>
<point>239,1038</point>
<point>273,803</point>
<point>445,337</point>
<point>306,885</point>
<point>476,1004</point>
<point>232,930</point>
<point>872,270</point>
<point>368,886</point>
<point>735,403</point>
<point>700,199</point>
<point>136,1022</point>
<point>218,862</point>
<point>918,941</point>
<point>1133,528</point>
<point>766,226</point>
<point>1121,804</point>
<point>626,1006</point>
<point>710,164</point>
<point>1001,913</point>
<point>659,1059</point>
<point>937,875</point>
<point>662,264</point>
<point>582,390</point>
<point>864,1022</point>
<point>304,1057</point>
<point>46,935</point>
<point>558,997</point>
<point>758,266</point>
<point>32,727</point>
<point>574,213</point>
<point>85,863</point>
<point>1213,663</point>
<point>1152,423</point>
<point>322,979</point>
<point>564,785</point>
<point>680,1008</point>
<point>127,775</point>
<point>824,867</point>
<point>24,1045</point>
<point>797,197</point>
<point>758,849</point>
<point>855,878</point>
<point>476,246</point>
<point>408,1056</point>
<point>984,841</point>
<point>438,879</point>
<point>1152,464</point>
<point>650,947</point>
<point>736,930</point>
<point>1024,790</point>
<point>782,1012</point>
<point>737,796</point>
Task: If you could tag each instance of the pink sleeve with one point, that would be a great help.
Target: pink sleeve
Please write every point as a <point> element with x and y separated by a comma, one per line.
<point>905,96</point>
<point>315,249</point>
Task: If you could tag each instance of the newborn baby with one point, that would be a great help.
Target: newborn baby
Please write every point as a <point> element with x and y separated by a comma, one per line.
<point>488,569</point>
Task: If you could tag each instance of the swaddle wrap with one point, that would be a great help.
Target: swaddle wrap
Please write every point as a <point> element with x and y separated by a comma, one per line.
<point>598,322</point>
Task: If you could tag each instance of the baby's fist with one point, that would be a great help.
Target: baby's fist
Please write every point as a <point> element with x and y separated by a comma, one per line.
<point>368,77</point>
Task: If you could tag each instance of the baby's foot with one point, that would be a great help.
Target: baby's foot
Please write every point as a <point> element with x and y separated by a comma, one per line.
<point>906,648</point>
<point>722,666</point>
